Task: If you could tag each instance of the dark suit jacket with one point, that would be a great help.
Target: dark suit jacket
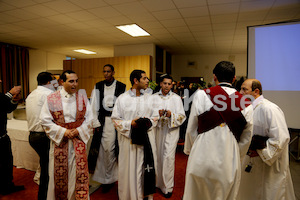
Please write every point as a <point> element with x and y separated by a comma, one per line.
<point>5,107</point>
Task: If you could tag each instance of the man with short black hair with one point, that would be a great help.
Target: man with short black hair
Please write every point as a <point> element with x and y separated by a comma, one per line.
<point>67,117</point>
<point>104,147</point>
<point>37,137</point>
<point>218,135</point>
<point>172,116</point>
<point>265,169</point>
<point>134,117</point>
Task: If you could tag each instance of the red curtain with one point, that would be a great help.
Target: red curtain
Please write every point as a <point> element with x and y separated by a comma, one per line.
<point>14,62</point>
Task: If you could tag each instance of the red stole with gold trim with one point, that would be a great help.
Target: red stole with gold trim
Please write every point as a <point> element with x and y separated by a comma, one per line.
<point>61,151</point>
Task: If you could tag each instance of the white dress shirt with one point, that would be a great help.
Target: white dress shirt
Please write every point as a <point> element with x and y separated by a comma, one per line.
<point>34,103</point>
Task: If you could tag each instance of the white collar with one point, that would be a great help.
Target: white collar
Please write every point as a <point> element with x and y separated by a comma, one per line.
<point>161,94</point>
<point>64,93</point>
<point>133,94</point>
<point>42,87</point>
<point>224,83</point>
<point>257,101</point>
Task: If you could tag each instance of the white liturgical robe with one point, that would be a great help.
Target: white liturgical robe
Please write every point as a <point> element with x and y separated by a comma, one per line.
<point>56,135</point>
<point>128,107</point>
<point>214,163</point>
<point>166,138</point>
<point>106,170</point>
<point>270,176</point>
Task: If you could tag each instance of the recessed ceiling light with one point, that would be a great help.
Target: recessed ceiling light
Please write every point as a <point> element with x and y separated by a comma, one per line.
<point>85,51</point>
<point>133,30</point>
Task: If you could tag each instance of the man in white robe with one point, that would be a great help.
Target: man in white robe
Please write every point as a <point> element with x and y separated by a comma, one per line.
<point>104,147</point>
<point>70,109</point>
<point>215,151</point>
<point>37,138</point>
<point>129,107</point>
<point>265,169</point>
<point>172,116</point>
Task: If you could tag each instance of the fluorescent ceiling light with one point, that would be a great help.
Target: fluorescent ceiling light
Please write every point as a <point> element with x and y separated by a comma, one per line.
<point>85,51</point>
<point>133,30</point>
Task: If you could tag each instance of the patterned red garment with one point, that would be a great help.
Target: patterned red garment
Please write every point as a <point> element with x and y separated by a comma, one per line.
<point>61,151</point>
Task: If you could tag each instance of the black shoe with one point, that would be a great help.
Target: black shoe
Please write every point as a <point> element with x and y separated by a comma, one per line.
<point>12,189</point>
<point>168,195</point>
<point>106,187</point>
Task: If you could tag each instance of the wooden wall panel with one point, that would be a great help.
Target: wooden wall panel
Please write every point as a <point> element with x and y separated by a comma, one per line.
<point>67,64</point>
<point>90,72</point>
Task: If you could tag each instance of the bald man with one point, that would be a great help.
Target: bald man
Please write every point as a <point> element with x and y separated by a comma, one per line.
<point>265,169</point>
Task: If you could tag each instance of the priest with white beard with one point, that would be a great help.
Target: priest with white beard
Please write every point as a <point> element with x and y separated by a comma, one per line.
<point>265,169</point>
<point>172,116</point>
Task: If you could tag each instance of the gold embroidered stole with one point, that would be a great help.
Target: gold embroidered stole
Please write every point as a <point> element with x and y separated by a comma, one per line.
<point>61,151</point>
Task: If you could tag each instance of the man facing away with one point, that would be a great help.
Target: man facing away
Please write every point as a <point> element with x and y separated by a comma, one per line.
<point>265,169</point>
<point>8,103</point>
<point>37,137</point>
<point>172,116</point>
<point>104,147</point>
<point>133,118</point>
<point>67,118</point>
<point>218,134</point>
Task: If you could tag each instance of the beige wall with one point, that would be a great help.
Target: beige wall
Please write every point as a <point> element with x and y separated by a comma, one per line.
<point>204,65</point>
<point>42,61</point>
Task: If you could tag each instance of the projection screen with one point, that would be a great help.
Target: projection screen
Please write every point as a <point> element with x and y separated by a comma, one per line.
<point>274,59</point>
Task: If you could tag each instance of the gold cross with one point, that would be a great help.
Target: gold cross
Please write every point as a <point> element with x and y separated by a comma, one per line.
<point>60,171</point>
<point>82,178</point>
<point>80,148</point>
<point>56,113</point>
<point>82,163</point>
<point>61,183</point>
<point>61,157</point>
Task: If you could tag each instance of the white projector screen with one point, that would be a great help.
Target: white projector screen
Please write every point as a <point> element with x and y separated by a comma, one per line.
<point>274,59</point>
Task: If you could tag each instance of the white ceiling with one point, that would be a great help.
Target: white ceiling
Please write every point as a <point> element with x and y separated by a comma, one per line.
<point>179,26</point>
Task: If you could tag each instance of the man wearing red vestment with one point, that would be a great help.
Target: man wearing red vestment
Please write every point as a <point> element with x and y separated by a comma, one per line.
<point>67,119</point>
<point>218,135</point>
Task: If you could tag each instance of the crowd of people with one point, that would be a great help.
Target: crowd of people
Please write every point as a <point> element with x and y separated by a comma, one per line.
<point>237,142</point>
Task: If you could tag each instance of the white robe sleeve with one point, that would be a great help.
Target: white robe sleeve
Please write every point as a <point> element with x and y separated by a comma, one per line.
<point>54,132</point>
<point>85,129</point>
<point>191,131</point>
<point>177,117</point>
<point>154,115</point>
<point>278,134</point>
<point>201,103</point>
<point>123,126</point>
<point>247,134</point>
<point>95,102</point>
